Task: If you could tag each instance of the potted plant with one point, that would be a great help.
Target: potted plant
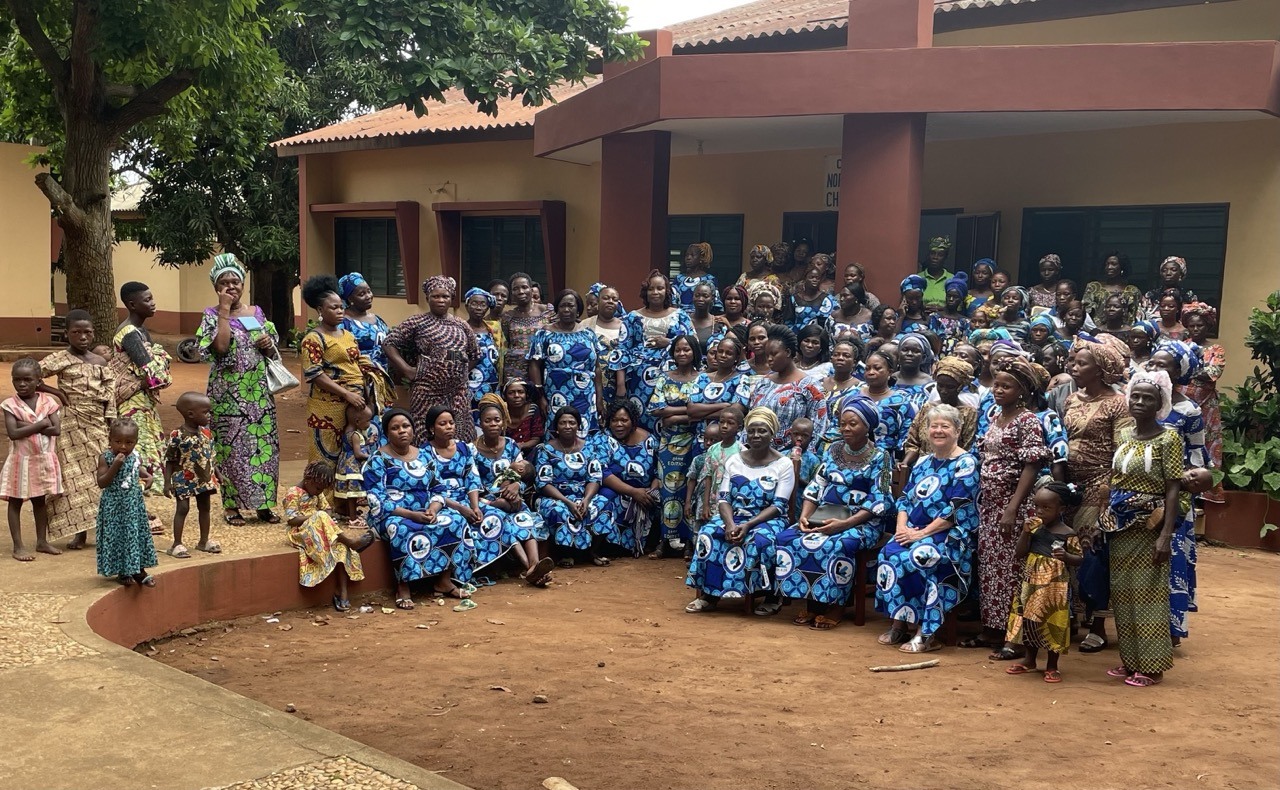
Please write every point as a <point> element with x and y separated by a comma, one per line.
<point>1251,444</point>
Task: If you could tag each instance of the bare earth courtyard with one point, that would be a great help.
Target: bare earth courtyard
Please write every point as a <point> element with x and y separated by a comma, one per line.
<point>641,695</point>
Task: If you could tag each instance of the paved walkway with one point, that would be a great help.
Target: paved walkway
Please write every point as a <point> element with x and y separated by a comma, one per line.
<point>81,712</point>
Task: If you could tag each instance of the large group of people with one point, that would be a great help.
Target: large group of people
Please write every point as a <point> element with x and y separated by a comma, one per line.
<point>1028,456</point>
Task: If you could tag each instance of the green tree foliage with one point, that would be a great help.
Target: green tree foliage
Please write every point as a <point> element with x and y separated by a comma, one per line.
<point>191,91</point>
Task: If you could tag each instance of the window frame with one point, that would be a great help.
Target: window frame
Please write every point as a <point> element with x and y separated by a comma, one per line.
<point>362,265</point>
<point>551,213</point>
<point>720,260</point>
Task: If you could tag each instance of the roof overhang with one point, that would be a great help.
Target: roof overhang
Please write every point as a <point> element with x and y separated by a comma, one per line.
<point>1202,76</point>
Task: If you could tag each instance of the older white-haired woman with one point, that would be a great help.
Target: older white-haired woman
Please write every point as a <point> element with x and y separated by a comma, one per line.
<point>924,570</point>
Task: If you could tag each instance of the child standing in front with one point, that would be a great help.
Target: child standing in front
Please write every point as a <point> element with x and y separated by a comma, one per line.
<point>718,454</point>
<point>189,471</point>
<point>31,472</point>
<point>695,513</point>
<point>803,460</point>
<point>1041,613</point>
<point>125,548</point>
<point>359,438</point>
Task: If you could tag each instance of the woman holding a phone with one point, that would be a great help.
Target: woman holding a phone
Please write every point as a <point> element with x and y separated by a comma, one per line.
<point>236,340</point>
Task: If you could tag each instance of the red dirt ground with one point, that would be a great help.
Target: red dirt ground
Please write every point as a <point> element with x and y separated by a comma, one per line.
<point>642,695</point>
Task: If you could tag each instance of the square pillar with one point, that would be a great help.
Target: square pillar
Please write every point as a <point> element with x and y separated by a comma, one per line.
<point>882,165</point>
<point>635,172</point>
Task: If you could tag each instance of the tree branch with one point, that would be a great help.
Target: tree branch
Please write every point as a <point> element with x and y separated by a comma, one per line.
<point>24,16</point>
<point>113,90</point>
<point>151,101</point>
<point>69,214</point>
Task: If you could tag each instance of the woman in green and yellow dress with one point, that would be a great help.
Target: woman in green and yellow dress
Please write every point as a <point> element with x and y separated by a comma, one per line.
<point>332,365</point>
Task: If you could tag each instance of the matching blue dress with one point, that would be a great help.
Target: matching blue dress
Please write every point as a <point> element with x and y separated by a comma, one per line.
<point>825,306</point>
<point>571,473</point>
<point>643,365</point>
<point>483,378</point>
<point>524,523</point>
<point>455,478</point>
<point>676,450</point>
<point>683,286</point>
<point>635,465</point>
<point>1187,419</point>
<point>724,570</point>
<point>569,373</point>
<point>920,583</point>
<point>708,390</point>
<point>818,567</point>
<point>418,551</point>
<point>897,412</point>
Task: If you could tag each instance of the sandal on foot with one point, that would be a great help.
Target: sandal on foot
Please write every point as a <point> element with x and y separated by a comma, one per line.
<point>179,551</point>
<point>212,547</point>
<point>824,623</point>
<point>567,562</point>
<point>1093,643</point>
<point>404,603</point>
<point>341,604</point>
<point>1139,680</point>
<point>538,573</point>
<point>1052,676</point>
<point>233,518</point>
<point>921,644</point>
<point>155,524</point>
<point>894,636</point>
<point>1019,669</point>
<point>1119,672</point>
<point>147,581</point>
<point>973,642</point>
<point>452,592</point>
<point>804,618</point>
<point>600,562</point>
<point>1005,654</point>
<point>767,609</point>
<point>268,517</point>
<point>699,605</point>
<point>125,581</point>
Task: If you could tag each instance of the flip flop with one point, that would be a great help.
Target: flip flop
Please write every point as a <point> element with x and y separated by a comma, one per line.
<point>804,618</point>
<point>236,520</point>
<point>974,642</point>
<point>767,609</point>
<point>1052,676</point>
<point>1004,654</point>
<point>465,604</point>
<point>269,518</point>
<point>700,605</point>
<point>148,581</point>
<point>1118,672</point>
<point>894,636</point>
<point>1019,669</point>
<point>179,551</point>
<point>919,644</point>
<point>1141,681</point>
<point>341,604</point>
<point>212,547</point>
<point>1093,643</point>
<point>539,571</point>
<point>823,623</point>
<point>452,592</point>
<point>404,603</point>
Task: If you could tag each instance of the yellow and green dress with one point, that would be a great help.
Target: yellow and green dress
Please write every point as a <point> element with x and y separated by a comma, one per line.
<point>338,357</point>
<point>1041,614</point>
<point>316,539</point>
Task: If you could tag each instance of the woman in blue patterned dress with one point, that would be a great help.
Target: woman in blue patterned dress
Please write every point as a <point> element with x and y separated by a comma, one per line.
<point>562,363</point>
<point>754,498</point>
<point>896,409</point>
<point>915,366</point>
<point>424,539</point>
<point>816,558</point>
<point>647,334</point>
<point>677,434</point>
<point>914,316</point>
<point>568,474</point>
<point>630,487</point>
<point>952,323</point>
<point>924,571</point>
<point>503,473</point>
<point>484,377</point>
<point>717,387</point>
<point>846,353</point>
<point>787,391</point>
<point>694,271</point>
<point>490,533</point>
<point>370,331</point>
<point>809,303</point>
<point>1180,361</point>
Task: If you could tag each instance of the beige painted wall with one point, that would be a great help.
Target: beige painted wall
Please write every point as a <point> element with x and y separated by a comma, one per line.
<point>1236,163</point>
<point>455,173</point>
<point>25,229</point>
<point>1238,20</point>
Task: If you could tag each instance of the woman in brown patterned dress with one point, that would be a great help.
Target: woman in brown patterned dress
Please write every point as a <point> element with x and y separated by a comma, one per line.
<point>437,352</point>
<point>519,325</point>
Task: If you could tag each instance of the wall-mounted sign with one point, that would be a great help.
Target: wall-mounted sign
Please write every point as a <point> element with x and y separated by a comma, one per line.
<point>831,182</point>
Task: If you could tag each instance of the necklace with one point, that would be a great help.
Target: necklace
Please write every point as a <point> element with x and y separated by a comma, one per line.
<point>854,458</point>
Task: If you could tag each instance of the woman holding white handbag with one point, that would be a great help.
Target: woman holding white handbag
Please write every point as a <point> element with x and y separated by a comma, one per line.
<point>241,345</point>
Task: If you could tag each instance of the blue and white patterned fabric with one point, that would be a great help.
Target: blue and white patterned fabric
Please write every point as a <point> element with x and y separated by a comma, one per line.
<point>417,550</point>
<point>708,390</point>
<point>821,312</point>
<point>724,570</point>
<point>569,374</point>
<point>918,394</point>
<point>571,473</point>
<point>820,567</point>
<point>676,450</point>
<point>920,583</point>
<point>683,285</point>
<point>635,465</point>
<point>1186,418</point>
<point>897,412</point>
<point>642,365</point>
<point>456,477</point>
<point>369,337</point>
<point>523,524</point>
<point>1055,435</point>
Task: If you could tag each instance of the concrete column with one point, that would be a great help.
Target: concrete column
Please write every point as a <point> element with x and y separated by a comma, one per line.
<point>880,183</point>
<point>635,172</point>
<point>890,24</point>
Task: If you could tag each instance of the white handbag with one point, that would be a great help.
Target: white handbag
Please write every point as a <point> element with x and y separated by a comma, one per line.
<point>279,378</point>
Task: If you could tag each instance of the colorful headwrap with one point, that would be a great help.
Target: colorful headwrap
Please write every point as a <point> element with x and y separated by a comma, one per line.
<point>494,399</point>
<point>1052,258</point>
<point>914,283</point>
<point>954,367</point>
<point>1162,384</point>
<point>1149,328</point>
<point>926,350</point>
<point>1184,354</point>
<point>488,297</point>
<point>763,250</point>
<point>223,263</point>
<point>1206,311</point>
<point>762,414</point>
<point>348,283</point>
<point>867,410</point>
<point>760,287</point>
<point>595,290</point>
<point>440,283</point>
<point>1181,262</point>
<point>1022,294</point>
<point>1006,348</point>
<point>1024,372</point>
<point>939,244</point>
<point>959,283</point>
<point>1107,355</point>
<point>704,252</point>
<point>989,335</point>
<point>987,262</point>
<point>1044,320</point>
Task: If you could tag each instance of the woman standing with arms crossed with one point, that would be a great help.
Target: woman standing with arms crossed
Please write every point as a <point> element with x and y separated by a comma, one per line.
<point>236,340</point>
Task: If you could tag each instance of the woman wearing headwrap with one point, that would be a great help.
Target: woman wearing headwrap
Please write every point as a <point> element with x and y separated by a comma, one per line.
<point>1115,281</point>
<point>370,332</point>
<point>1042,293</point>
<point>1012,452</point>
<point>935,273</point>
<point>915,362</point>
<point>924,570</point>
<point>608,325</point>
<point>754,499</point>
<point>1173,270</point>
<point>236,340</point>
<point>952,322</point>
<point>436,352</point>
<point>759,263</point>
<point>1139,523</point>
<point>694,271</point>
<point>914,315</point>
<point>486,375</point>
<point>764,301</point>
<point>1040,331</point>
<point>844,511</point>
<point>562,364</point>
<point>980,284</point>
<point>1142,341</point>
<point>334,367</point>
<point>1015,302</point>
<point>1201,321</point>
<point>642,355</point>
<point>1094,416</point>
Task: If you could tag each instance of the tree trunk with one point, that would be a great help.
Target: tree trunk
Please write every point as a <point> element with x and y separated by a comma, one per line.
<point>83,203</point>
<point>271,288</point>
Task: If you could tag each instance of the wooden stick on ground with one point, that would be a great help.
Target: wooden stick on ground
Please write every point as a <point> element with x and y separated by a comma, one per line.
<point>556,783</point>
<point>906,667</point>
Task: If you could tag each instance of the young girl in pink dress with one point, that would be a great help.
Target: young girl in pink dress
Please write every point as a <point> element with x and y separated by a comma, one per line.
<point>31,471</point>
